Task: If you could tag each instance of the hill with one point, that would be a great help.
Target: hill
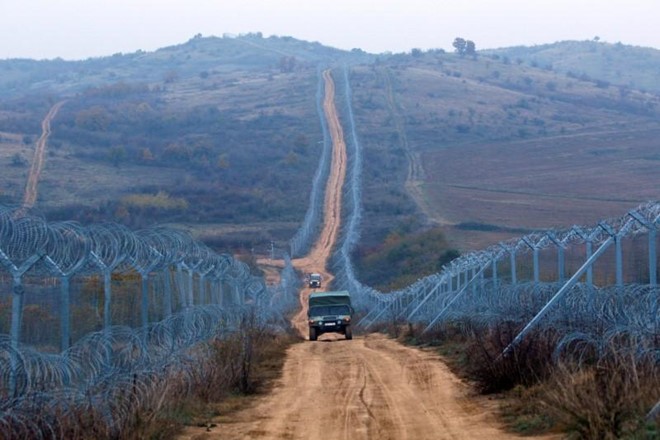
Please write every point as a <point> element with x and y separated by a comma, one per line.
<point>617,64</point>
<point>216,130</point>
<point>222,135</point>
<point>503,147</point>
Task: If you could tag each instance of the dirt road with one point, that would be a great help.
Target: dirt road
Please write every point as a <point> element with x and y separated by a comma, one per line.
<point>367,388</point>
<point>318,257</point>
<point>30,196</point>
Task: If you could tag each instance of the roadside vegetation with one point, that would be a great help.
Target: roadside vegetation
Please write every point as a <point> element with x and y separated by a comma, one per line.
<point>238,367</point>
<point>406,255</point>
<point>585,395</point>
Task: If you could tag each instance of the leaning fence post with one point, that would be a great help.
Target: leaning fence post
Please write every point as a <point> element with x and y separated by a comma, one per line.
<point>569,284</point>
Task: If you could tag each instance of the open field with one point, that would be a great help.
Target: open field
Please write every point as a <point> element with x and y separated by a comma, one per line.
<point>541,183</point>
<point>508,145</point>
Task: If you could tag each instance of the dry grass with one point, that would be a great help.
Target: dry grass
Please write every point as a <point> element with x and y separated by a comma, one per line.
<point>607,398</point>
<point>542,183</point>
<point>605,401</point>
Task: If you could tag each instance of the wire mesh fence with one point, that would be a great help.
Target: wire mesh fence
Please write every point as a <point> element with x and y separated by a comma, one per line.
<point>594,281</point>
<point>94,320</point>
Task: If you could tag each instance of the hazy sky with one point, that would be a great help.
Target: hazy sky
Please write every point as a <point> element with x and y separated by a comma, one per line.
<point>76,29</point>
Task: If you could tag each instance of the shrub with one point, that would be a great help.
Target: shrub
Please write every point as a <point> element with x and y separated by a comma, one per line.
<point>607,400</point>
<point>528,363</point>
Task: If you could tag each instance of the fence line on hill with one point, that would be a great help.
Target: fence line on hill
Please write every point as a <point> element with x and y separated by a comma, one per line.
<point>580,280</point>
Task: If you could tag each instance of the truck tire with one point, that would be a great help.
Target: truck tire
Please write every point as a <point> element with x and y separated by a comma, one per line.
<point>312,334</point>
<point>348,332</point>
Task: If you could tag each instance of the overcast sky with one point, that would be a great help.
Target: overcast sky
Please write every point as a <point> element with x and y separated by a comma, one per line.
<point>78,29</point>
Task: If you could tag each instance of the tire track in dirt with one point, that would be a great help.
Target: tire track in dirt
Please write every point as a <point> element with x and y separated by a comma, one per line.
<point>30,195</point>
<point>416,175</point>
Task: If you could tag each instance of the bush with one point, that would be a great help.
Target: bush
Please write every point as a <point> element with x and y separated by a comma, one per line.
<point>607,400</point>
<point>527,364</point>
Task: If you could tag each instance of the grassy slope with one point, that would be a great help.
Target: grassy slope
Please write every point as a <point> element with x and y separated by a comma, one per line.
<point>626,66</point>
<point>581,149</point>
<point>506,147</point>
<point>230,125</point>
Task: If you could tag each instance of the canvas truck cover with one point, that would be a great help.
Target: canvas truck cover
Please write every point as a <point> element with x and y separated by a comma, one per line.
<point>329,298</point>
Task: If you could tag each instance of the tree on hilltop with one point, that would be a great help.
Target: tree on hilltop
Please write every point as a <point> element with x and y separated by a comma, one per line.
<point>464,47</point>
<point>470,48</point>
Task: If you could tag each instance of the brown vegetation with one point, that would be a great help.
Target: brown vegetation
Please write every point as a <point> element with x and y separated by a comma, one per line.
<point>604,398</point>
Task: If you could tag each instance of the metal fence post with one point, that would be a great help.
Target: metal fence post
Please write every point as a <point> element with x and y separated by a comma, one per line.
<point>65,314</point>
<point>535,251</point>
<point>512,256</point>
<point>569,284</point>
<point>494,268</point>
<point>144,312</point>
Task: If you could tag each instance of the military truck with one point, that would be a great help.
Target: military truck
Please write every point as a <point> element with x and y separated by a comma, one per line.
<point>315,280</point>
<point>329,312</point>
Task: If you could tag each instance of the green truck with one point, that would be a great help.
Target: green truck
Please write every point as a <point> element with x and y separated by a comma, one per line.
<point>330,312</point>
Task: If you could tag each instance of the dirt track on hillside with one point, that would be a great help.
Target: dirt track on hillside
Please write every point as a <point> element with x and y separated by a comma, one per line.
<point>368,388</point>
<point>416,175</point>
<point>30,196</point>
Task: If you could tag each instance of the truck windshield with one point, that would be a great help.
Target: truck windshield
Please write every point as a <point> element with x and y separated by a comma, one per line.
<point>330,310</point>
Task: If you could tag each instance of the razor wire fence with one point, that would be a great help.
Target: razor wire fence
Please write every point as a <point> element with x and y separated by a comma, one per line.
<point>94,320</point>
<point>304,238</point>
<point>594,283</point>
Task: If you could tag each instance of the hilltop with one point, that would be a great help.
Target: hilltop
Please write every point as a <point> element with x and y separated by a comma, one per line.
<point>617,64</point>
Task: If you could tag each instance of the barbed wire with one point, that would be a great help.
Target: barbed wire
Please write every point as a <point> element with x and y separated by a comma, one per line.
<point>463,291</point>
<point>304,238</point>
<point>107,373</point>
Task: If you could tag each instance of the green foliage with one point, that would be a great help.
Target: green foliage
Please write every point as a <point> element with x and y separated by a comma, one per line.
<point>464,47</point>
<point>161,200</point>
<point>404,257</point>
<point>116,155</point>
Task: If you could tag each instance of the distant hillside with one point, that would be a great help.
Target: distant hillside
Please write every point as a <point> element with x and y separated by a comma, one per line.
<point>223,135</point>
<point>499,146</point>
<point>212,131</point>
<point>250,52</point>
<point>618,64</point>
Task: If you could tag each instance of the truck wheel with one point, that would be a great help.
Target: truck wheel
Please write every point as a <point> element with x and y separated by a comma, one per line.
<point>348,332</point>
<point>312,334</point>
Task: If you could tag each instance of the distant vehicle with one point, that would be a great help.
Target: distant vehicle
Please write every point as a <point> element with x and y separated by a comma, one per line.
<point>329,312</point>
<point>315,280</point>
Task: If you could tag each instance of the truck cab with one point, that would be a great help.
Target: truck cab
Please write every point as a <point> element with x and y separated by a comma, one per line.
<point>329,312</point>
